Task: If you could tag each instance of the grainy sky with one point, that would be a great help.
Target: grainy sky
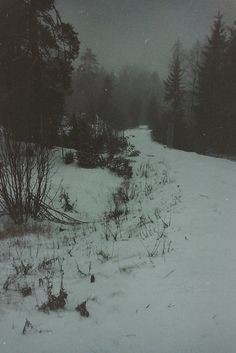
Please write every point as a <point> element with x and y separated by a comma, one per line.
<point>141,32</point>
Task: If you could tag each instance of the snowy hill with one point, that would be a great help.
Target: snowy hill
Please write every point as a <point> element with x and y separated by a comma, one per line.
<point>164,271</point>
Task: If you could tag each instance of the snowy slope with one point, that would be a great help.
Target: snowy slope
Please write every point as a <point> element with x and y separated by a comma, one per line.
<point>180,302</point>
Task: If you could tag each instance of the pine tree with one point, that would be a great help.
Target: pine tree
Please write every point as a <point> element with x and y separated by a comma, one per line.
<point>194,61</point>
<point>230,91</point>
<point>88,71</point>
<point>211,91</point>
<point>36,53</point>
<point>174,97</point>
<point>89,63</point>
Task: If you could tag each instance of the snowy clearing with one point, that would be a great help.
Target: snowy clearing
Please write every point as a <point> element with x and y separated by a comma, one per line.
<point>164,279</point>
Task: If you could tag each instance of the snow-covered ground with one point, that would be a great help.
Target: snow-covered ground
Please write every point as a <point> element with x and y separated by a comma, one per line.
<point>169,295</point>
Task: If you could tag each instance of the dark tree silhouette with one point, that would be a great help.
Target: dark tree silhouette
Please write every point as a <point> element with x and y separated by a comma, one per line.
<point>174,97</point>
<point>36,53</point>
<point>87,84</point>
<point>230,91</point>
<point>211,91</point>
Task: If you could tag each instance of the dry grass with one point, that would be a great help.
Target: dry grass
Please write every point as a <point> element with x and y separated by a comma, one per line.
<point>33,228</point>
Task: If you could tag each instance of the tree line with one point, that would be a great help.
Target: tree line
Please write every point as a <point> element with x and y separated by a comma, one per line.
<point>199,113</point>
<point>120,98</point>
<point>193,109</point>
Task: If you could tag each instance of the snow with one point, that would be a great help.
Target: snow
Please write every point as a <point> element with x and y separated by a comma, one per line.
<point>179,302</point>
<point>89,189</point>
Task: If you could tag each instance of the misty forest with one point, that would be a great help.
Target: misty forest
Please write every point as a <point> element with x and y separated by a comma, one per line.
<point>117,176</point>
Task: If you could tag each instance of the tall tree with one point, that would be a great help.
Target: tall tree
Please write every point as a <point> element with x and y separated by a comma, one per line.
<point>230,91</point>
<point>36,53</point>
<point>211,90</point>
<point>87,84</point>
<point>193,62</point>
<point>174,97</point>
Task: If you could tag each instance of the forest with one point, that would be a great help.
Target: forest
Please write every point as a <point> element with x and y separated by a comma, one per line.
<point>117,181</point>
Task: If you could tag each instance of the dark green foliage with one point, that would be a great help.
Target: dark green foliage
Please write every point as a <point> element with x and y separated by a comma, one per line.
<point>36,53</point>
<point>174,97</point>
<point>230,103</point>
<point>211,93</point>
<point>86,85</point>
<point>117,145</point>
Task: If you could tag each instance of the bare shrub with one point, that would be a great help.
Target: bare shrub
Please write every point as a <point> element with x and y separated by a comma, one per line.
<point>54,302</point>
<point>22,268</point>
<point>145,170</point>
<point>82,309</point>
<point>66,202</point>
<point>28,327</point>
<point>24,178</point>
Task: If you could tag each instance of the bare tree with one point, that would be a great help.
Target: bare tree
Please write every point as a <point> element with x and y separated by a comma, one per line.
<point>24,178</point>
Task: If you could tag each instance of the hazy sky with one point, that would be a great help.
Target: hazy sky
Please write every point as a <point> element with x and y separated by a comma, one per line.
<point>141,31</point>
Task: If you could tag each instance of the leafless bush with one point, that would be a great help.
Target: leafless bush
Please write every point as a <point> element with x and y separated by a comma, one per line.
<point>145,170</point>
<point>22,268</point>
<point>24,178</point>
<point>54,302</point>
<point>103,256</point>
<point>67,205</point>
<point>155,228</point>
<point>82,309</point>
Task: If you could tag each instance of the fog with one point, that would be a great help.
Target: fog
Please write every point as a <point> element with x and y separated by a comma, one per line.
<point>141,32</point>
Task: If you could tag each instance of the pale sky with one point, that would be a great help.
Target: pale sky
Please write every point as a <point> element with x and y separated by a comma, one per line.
<point>141,32</point>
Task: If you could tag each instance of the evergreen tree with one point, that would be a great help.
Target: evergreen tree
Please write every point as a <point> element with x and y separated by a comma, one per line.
<point>87,82</point>
<point>174,97</point>
<point>211,91</point>
<point>36,53</point>
<point>231,90</point>
<point>89,63</point>
<point>193,63</point>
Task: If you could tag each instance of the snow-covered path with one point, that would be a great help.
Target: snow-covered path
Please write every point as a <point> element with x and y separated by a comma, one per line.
<point>203,286</point>
<point>180,303</point>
